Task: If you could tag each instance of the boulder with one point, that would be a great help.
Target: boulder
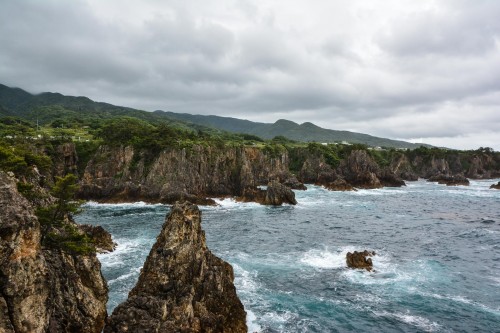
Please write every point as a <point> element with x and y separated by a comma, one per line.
<point>100,237</point>
<point>390,179</point>
<point>182,287</point>
<point>339,185</point>
<point>360,260</point>
<point>450,180</point>
<point>278,194</point>
<point>495,186</point>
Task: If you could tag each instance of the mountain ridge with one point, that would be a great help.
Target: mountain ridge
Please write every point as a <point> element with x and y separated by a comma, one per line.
<point>18,102</point>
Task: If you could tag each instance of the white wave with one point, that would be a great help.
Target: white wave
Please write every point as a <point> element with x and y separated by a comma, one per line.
<point>125,248</point>
<point>325,258</point>
<point>463,300</point>
<point>421,323</point>
<point>134,272</point>
<point>231,203</point>
<point>252,322</point>
<point>137,204</point>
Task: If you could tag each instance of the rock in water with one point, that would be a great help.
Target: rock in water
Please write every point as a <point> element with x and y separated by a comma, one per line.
<point>360,260</point>
<point>183,287</point>
<point>278,194</point>
<point>450,180</point>
<point>495,186</point>
<point>101,238</point>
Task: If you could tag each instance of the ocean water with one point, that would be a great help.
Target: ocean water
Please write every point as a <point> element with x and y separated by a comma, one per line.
<point>437,267</point>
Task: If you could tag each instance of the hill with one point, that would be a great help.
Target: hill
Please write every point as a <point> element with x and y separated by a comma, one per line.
<point>305,132</point>
<point>49,107</point>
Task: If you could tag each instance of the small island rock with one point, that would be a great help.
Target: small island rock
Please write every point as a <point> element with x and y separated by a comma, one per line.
<point>360,260</point>
<point>183,287</point>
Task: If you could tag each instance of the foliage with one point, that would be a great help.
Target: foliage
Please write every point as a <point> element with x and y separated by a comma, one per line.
<point>57,232</point>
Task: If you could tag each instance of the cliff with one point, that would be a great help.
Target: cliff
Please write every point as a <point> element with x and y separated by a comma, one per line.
<point>182,287</point>
<point>43,289</point>
<point>122,173</point>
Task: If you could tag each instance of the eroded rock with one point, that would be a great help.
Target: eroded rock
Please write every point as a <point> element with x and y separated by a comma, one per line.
<point>183,287</point>
<point>360,260</point>
<point>100,237</point>
<point>450,180</point>
<point>278,194</point>
<point>495,186</point>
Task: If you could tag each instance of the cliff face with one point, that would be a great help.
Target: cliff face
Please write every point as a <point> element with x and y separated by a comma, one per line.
<point>183,287</point>
<point>23,289</point>
<point>124,174</point>
<point>43,289</point>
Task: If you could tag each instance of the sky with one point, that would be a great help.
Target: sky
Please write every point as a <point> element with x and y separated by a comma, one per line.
<point>422,71</point>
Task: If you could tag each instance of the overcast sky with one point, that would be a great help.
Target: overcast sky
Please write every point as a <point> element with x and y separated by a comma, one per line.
<point>426,70</point>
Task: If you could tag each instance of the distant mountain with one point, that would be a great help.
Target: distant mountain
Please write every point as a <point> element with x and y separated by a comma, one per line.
<point>300,132</point>
<point>49,106</point>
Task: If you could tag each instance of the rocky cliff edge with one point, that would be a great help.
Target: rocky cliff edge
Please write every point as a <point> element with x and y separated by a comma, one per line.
<point>182,287</point>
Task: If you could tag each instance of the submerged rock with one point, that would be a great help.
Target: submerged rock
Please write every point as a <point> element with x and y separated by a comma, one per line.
<point>495,186</point>
<point>183,287</point>
<point>450,180</point>
<point>360,260</point>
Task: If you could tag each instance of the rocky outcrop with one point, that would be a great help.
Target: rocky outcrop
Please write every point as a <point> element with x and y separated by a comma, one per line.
<point>390,179</point>
<point>121,173</point>
<point>43,289</point>
<point>23,281</point>
<point>450,180</point>
<point>100,237</point>
<point>360,260</point>
<point>401,167</point>
<point>182,287</point>
<point>496,186</point>
<point>339,185</point>
<point>277,194</point>
<point>360,170</point>
<point>65,159</point>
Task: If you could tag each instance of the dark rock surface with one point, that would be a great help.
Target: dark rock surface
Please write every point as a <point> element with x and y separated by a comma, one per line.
<point>339,185</point>
<point>360,170</point>
<point>390,179</point>
<point>43,290</point>
<point>496,186</point>
<point>360,260</point>
<point>183,287</point>
<point>277,194</point>
<point>450,180</point>
<point>100,237</point>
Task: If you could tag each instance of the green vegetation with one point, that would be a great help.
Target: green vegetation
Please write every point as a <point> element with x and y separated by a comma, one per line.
<point>57,232</point>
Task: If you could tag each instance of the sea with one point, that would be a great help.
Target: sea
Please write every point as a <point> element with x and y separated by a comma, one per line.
<point>436,268</point>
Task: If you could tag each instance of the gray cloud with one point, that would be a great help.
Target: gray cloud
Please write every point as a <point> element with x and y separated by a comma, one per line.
<point>400,69</point>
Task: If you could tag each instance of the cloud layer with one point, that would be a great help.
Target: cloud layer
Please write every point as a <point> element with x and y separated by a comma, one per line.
<point>415,70</point>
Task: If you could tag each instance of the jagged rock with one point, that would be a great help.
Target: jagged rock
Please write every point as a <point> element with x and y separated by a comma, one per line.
<point>100,237</point>
<point>252,194</point>
<point>43,290</point>
<point>182,287</point>
<point>339,185</point>
<point>390,179</point>
<point>173,197</point>
<point>23,288</point>
<point>360,170</point>
<point>65,160</point>
<point>495,186</point>
<point>360,260</point>
<point>294,184</point>
<point>316,171</point>
<point>450,180</point>
<point>278,194</point>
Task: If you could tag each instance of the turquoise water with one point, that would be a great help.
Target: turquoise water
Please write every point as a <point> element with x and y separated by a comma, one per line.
<point>437,267</point>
